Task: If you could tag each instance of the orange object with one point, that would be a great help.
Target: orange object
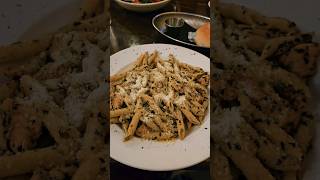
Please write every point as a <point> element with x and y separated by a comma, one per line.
<point>202,37</point>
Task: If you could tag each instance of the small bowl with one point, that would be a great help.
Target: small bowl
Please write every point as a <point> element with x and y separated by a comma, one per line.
<point>146,7</point>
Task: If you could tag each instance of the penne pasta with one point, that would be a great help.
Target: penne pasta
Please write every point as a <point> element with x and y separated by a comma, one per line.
<point>29,161</point>
<point>93,139</point>
<point>120,112</point>
<point>273,156</point>
<point>249,165</point>
<point>114,120</point>
<point>280,137</point>
<point>88,169</point>
<point>180,125</point>
<point>220,168</point>
<point>27,49</point>
<point>133,124</point>
<point>263,66</point>
<point>159,91</point>
<point>305,132</point>
<point>190,116</point>
<point>56,123</point>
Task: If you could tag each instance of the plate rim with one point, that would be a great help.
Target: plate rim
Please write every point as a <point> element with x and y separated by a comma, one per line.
<point>208,120</point>
<point>143,4</point>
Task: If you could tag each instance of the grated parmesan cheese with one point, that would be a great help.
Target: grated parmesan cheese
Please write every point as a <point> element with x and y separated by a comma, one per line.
<point>225,124</point>
<point>180,100</point>
<point>147,117</point>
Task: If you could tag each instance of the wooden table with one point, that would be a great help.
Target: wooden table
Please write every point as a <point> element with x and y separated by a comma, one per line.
<point>129,29</point>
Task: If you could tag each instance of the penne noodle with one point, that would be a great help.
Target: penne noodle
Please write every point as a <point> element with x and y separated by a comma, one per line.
<point>124,72</point>
<point>23,50</point>
<point>120,112</point>
<point>56,123</point>
<point>145,59</point>
<point>157,120</point>
<point>279,23</point>
<point>145,133</point>
<point>280,137</point>
<point>274,44</point>
<point>305,132</point>
<point>249,165</point>
<point>180,125</point>
<point>256,42</point>
<point>152,125</point>
<point>93,139</point>
<point>274,157</point>
<point>133,124</point>
<point>152,58</point>
<point>114,120</point>
<point>152,103</point>
<point>29,161</point>
<point>220,167</point>
<point>89,168</point>
<point>296,59</point>
<point>236,12</point>
<point>190,116</point>
<point>140,60</point>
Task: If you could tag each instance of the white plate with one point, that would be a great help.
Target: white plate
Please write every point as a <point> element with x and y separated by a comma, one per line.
<point>306,15</point>
<point>146,7</point>
<point>161,156</point>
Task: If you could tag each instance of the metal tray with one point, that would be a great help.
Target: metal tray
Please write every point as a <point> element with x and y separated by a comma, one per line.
<point>193,20</point>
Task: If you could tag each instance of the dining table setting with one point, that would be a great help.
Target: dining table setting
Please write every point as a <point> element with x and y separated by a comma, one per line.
<point>129,28</point>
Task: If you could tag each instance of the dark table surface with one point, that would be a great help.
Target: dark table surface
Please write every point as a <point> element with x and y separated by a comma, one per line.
<point>129,29</point>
